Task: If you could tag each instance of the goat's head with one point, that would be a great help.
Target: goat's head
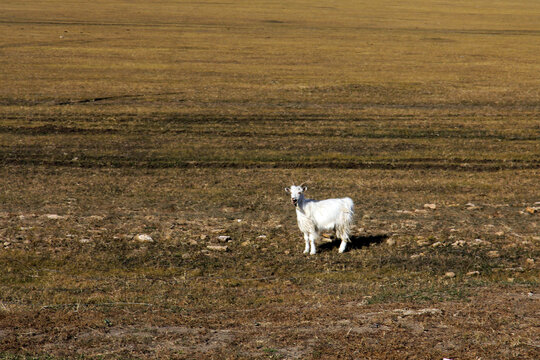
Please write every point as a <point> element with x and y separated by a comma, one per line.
<point>297,192</point>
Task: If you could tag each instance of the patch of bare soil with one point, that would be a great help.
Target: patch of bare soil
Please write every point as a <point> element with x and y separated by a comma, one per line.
<point>492,324</point>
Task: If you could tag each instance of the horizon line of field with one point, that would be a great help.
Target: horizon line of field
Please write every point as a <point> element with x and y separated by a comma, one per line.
<point>407,164</point>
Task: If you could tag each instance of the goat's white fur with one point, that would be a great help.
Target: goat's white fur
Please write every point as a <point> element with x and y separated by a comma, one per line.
<point>318,216</point>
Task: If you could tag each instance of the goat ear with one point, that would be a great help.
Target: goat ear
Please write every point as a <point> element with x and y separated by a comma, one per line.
<point>287,190</point>
<point>304,188</point>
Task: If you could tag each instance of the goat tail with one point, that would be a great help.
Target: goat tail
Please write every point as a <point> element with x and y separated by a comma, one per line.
<point>346,220</point>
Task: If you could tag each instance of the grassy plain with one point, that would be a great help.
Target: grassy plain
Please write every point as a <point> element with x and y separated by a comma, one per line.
<point>185,121</point>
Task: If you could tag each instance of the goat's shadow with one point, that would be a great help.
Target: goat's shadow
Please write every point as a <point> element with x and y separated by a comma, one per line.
<point>356,242</point>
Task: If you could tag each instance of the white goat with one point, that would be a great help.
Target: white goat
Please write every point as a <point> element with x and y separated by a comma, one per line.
<point>315,217</point>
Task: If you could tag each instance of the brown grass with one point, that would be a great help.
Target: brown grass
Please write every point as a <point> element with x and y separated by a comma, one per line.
<point>184,121</point>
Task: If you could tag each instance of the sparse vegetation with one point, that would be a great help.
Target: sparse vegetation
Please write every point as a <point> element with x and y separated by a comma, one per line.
<point>183,121</point>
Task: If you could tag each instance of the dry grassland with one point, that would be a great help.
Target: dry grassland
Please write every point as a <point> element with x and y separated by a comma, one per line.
<point>185,120</point>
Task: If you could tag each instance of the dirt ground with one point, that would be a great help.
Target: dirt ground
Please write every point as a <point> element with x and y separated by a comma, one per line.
<point>458,281</point>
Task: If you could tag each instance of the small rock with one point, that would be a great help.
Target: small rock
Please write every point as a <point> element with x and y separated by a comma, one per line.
<point>423,242</point>
<point>430,206</point>
<point>420,211</point>
<point>415,256</point>
<point>450,274</point>
<point>246,243</point>
<point>224,238</point>
<point>218,247</point>
<point>479,242</point>
<point>499,233</point>
<point>261,237</point>
<point>54,217</point>
<point>143,238</point>
<point>473,273</point>
<point>471,206</point>
<point>85,240</point>
<point>412,312</point>
<point>459,243</point>
<point>193,242</point>
<point>437,244</point>
<point>7,243</point>
<point>493,254</point>
<point>530,261</point>
<point>391,242</point>
<point>203,237</point>
<point>510,280</point>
